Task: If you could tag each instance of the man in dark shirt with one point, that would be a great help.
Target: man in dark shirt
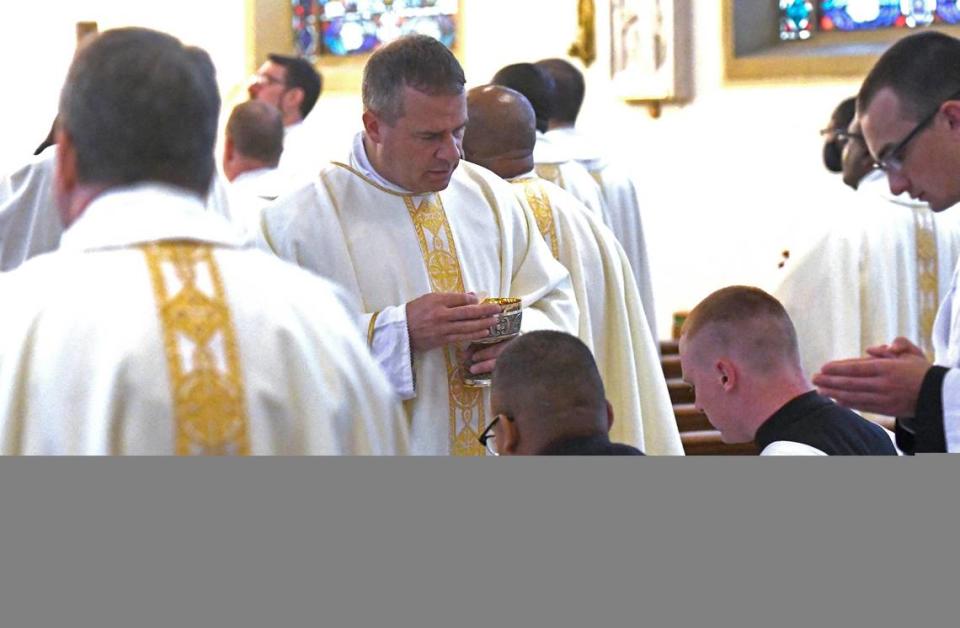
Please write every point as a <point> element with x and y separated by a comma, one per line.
<point>548,399</point>
<point>738,350</point>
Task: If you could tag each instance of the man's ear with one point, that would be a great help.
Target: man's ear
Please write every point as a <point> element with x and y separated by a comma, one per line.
<point>609,416</point>
<point>292,99</point>
<point>511,436</point>
<point>726,373</point>
<point>371,126</point>
<point>65,175</point>
<point>951,109</point>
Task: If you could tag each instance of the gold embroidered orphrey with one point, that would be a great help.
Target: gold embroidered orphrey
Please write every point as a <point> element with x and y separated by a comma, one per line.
<point>543,213</point>
<point>208,395</point>
<point>440,256</point>
<point>927,275</point>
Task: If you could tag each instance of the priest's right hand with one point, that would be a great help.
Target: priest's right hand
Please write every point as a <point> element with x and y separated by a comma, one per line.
<point>442,318</point>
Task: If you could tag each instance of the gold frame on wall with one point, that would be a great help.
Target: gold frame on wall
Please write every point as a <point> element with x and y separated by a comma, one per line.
<point>751,53</point>
<point>269,30</point>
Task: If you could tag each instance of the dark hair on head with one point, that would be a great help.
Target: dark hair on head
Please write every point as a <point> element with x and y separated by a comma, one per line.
<point>302,74</point>
<point>256,129</point>
<point>140,106</point>
<point>415,61</point>
<point>569,88</point>
<point>840,119</point>
<point>534,83</point>
<point>551,376</point>
<point>923,70</point>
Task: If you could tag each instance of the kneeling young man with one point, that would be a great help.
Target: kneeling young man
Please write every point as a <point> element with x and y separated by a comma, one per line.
<point>739,352</point>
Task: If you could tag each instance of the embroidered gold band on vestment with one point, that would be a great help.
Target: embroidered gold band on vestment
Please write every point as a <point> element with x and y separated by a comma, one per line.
<point>443,266</point>
<point>206,383</point>
<point>539,202</point>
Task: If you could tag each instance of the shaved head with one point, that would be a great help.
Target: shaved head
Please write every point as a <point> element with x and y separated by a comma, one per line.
<point>745,322</point>
<point>501,130</point>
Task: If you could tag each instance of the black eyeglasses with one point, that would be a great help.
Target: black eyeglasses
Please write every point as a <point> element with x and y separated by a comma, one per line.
<point>488,438</point>
<point>892,162</point>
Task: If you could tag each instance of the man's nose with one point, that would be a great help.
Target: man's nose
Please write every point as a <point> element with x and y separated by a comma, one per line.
<point>450,149</point>
<point>898,183</point>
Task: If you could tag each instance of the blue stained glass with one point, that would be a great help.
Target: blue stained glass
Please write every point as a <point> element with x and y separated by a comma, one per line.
<point>851,15</point>
<point>796,19</point>
<point>948,11</point>
<point>345,27</point>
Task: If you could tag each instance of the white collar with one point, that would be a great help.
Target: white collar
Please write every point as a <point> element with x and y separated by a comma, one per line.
<point>146,212</point>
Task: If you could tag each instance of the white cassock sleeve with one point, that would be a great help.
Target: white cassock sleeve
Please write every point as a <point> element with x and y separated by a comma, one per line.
<point>389,342</point>
<point>790,448</point>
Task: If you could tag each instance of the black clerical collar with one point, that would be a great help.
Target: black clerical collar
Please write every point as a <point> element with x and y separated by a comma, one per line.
<point>783,419</point>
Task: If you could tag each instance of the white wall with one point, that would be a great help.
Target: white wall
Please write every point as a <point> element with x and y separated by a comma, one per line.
<point>727,181</point>
<point>37,40</point>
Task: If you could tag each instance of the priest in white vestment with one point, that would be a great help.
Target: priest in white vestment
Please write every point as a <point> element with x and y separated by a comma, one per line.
<point>617,188</point>
<point>151,330</point>
<point>253,145</point>
<point>293,86</point>
<point>537,86</point>
<point>417,237</point>
<point>500,136</point>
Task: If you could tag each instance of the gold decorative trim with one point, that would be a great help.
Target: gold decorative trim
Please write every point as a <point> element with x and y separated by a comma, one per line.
<point>443,266</point>
<point>359,174</point>
<point>203,363</point>
<point>539,202</point>
<point>370,328</point>
<point>551,173</point>
<point>928,279</point>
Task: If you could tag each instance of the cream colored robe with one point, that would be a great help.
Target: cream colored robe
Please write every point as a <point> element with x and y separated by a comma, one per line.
<point>562,170</point>
<point>879,272</point>
<point>612,320</point>
<point>387,248</point>
<point>623,208</point>
<point>150,331</point>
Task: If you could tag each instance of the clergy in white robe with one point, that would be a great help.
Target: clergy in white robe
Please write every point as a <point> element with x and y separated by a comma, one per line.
<point>402,218</point>
<point>151,330</point>
<point>293,86</point>
<point>616,185</point>
<point>501,135</point>
<point>879,272</point>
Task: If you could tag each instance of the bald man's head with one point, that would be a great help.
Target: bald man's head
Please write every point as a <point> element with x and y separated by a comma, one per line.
<point>501,131</point>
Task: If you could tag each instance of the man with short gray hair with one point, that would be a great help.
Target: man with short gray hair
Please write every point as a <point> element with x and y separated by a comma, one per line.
<point>419,238</point>
<point>152,330</point>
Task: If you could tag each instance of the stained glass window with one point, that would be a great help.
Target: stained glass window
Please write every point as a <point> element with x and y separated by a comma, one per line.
<point>348,27</point>
<point>801,19</point>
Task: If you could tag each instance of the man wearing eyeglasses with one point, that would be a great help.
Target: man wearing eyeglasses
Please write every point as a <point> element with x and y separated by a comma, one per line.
<point>909,107</point>
<point>881,263</point>
<point>293,86</point>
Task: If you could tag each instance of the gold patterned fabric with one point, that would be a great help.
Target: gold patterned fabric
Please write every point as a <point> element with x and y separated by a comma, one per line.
<point>539,202</point>
<point>927,276</point>
<point>550,172</point>
<point>440,256</point>
<point>201,349</point>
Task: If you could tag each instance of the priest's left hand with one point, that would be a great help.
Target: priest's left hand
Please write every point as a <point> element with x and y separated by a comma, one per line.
<point>483,358</point>
<point>881,385</point>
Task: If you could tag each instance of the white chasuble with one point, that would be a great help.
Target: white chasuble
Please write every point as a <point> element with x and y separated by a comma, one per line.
<point>878,273</point>
<point>612,319</point>
<point>152,331</point>
<point>387,248</point>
